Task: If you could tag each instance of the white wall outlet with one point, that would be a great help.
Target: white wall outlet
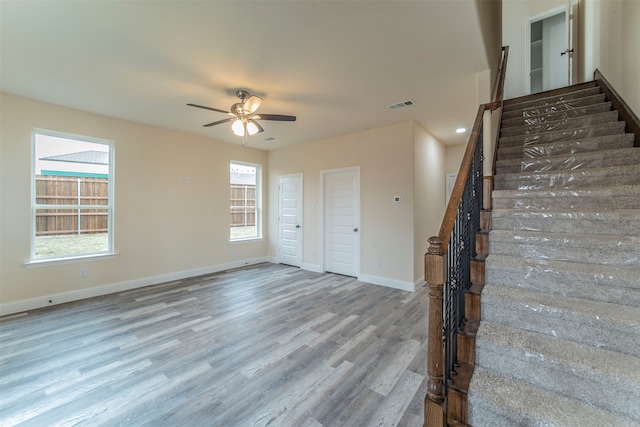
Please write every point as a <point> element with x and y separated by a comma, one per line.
<point>83,272</point>
<point>378,263</point>
<point>188,180</point>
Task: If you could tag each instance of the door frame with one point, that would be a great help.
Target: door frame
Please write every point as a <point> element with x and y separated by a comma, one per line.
<point>301,219</point>
<point>323,174</point>
<point>566,8</point>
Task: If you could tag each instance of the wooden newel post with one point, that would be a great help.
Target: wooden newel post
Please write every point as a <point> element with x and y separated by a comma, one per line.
<point>434,276</point>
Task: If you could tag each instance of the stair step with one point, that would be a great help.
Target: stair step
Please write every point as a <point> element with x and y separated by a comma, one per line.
<point>551,93</point>
<point>499,401</point>
<point>564,162</point>
<point>590,374</point>
<point>554,108</point>
<point>581,248</point>
<point>608,142</point>
<point>596,323</point>
<point>612,222</point>
<point>613,284</point>
<point>547,99</point>
<point>603,199</point>
<point>579,178</point>
<point>564,124</point>
<point>601,129</point>
<point>567,113</point>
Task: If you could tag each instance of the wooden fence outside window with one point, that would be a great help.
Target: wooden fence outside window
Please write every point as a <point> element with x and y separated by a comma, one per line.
<point>79,191</point>
<point>243,205</point>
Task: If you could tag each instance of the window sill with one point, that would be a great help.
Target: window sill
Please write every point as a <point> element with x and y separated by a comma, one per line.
<point>248,239</point>
<point>69,260</point>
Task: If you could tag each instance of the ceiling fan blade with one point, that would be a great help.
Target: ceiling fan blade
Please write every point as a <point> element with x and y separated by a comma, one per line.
<point>252,104</point>
<point>260,129</point>
<point>207,108</point>
<point>277,117</point>
<point>219,122</point>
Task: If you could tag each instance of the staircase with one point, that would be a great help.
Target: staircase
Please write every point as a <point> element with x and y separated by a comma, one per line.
<point>559,340</point>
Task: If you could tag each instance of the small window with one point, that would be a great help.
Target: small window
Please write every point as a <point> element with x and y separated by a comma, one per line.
<point>245,201</point>
<point>72,190</point>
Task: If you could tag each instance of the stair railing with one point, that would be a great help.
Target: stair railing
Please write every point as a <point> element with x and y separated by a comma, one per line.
<point>448,262</point>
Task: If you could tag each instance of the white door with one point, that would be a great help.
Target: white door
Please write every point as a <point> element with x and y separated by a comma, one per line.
<point>290,219</point>
<point>342,221</point>
<point>549,50</point>
<point>555,40</point>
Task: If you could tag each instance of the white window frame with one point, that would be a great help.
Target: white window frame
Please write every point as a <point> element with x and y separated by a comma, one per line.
<point>109,207</point>
<point>258,206</point>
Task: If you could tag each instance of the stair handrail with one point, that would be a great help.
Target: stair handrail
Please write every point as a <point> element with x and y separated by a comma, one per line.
<point>448,260</point>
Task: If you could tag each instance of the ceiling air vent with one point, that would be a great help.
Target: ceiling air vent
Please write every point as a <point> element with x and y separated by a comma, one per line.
<point>407,103</point>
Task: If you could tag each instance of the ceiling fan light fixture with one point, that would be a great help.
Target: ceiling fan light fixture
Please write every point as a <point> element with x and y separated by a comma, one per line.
<point>238,127</point>
<point>252,129</point>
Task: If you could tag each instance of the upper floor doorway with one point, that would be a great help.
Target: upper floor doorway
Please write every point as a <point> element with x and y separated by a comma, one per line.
<point>550,50</point>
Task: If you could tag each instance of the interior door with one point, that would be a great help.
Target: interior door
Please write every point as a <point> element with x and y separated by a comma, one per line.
<point>555,40</point>
<point>550,51</point>
<point>341,221</point>
<point>290,219</point>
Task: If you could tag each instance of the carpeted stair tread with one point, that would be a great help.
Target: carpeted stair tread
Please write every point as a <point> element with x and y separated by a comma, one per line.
<point>597,323</point>
<point>549,98</point>
<point>563,124</point>
<point>522,121</point>
<point>607,283</point>
<point>599,159</point>
<point>555,107</point>
<point>558,92</point>
<point>595,221</point>
<point>608,142</point>
<point>625,196</point>
<point>586,248</point>
<point>499,401</point>
<point>579,371</point>
<point>601,129</point>
<point>562,179</point>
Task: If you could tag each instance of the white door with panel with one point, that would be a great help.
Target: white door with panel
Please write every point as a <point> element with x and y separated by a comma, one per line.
<point>550,49</point>
<point>290,219</point>
<point>342,221</point>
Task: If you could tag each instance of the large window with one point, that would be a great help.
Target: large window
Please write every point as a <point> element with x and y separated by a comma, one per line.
<point>72,196</point>
<point>245,201</point>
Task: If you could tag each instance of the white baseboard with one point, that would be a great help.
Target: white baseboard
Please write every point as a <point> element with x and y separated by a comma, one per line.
<point>63,297</point>
<point>419,282</point>
<point>311,267</point>
<point>389,283</point>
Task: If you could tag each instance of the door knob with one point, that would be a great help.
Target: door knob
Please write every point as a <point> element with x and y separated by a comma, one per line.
<point>355,230</point>
<point>566,51</point>
<point>297,225</point>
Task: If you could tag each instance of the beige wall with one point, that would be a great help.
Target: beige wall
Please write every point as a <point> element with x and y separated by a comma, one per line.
<point>490,17</point>
<point>429,193</point>
<point>161,227</point>
<point>386,159</point>
<point>612,40</point>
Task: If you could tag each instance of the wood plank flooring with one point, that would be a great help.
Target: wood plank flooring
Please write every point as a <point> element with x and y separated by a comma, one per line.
<point>262,345</point>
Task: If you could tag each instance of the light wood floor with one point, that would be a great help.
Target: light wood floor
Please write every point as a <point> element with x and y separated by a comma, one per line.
<point>263,345</point>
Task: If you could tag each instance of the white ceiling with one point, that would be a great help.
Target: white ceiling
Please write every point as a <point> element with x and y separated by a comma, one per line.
<point>336,65</point>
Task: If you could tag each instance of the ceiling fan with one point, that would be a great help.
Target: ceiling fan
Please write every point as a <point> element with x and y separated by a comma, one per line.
<point>244,117</point>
